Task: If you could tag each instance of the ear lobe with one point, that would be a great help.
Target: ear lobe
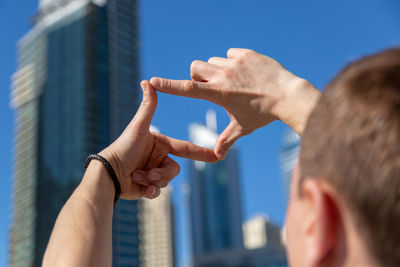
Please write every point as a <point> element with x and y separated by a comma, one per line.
<point>322,221</point>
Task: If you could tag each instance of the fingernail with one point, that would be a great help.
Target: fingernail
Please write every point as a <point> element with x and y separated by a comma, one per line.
<point>154,192</point>
<point>155,176</point>
<point>137,177</point>
<point>155,82</point>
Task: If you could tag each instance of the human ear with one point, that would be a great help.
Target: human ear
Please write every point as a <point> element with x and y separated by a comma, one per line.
<point>321,221</point>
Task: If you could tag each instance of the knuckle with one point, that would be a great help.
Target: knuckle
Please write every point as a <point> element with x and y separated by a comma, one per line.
<point>185,148</point>
<point>239,131</point>
<point>247,52</point>
<point>194,64</point>
<point>188,85</point>
<point>145,105</point>
<point>212,59</point>
<point>165,83</point>
<point>145,102</point>
<point>240,61</point>
<point>244,55</point>
<point>230,50</point>
<point>226,142</point>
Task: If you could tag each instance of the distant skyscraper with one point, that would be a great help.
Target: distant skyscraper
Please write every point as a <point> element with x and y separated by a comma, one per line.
<point>74,92</point>
<point>289,154</point>
<point>157,231</point>
<point>215,206</point>
<point>259,232</point>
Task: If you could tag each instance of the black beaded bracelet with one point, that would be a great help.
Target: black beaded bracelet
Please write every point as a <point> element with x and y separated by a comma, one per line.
<point>110,171</point>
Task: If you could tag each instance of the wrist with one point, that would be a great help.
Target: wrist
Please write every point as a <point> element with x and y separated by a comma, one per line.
<point>96,186</point>
<point>297,103</point>
<point>118,167</point>
<point>112,159</point>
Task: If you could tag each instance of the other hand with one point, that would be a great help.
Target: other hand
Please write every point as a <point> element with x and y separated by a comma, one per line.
<point>254,90</point>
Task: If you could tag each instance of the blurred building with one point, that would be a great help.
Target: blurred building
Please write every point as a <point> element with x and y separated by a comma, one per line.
<point>74,92</point>
<point>268,256</point>
<point>215,206</point>
<point>288,156</point>
<point>156,227</point>
<point>259,232</point>
<point>215,212</point>
<point>157,231</point>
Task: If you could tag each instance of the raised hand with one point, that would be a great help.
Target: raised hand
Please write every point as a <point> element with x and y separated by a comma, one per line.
<point>254,90</point>
<point>139,156</point>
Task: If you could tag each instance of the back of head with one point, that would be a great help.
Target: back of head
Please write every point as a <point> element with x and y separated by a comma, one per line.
<point>352,140</point>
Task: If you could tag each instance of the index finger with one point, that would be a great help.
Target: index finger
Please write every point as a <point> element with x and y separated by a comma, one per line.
<point>201,90</point>
<point>185,149</point>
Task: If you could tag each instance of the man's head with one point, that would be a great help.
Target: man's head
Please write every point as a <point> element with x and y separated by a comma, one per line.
<point>345,199</point>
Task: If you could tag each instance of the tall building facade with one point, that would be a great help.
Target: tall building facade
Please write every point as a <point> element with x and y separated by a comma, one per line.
<point>215,213</point>
<point>215,206</point>
<point>157,231</point>
<point>288,157</point>
<point>259,232</point>
<point>74,92</point>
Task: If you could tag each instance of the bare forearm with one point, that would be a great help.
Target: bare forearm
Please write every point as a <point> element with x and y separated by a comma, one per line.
<point>82,235</point>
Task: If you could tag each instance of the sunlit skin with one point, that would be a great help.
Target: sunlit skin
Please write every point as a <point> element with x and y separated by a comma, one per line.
<point>141,155</point>
<point>82,233</point>
<point>255,90</point>
<point>320,229</point>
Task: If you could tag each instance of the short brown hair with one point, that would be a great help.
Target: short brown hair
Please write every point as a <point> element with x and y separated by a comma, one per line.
<point>352,140</point>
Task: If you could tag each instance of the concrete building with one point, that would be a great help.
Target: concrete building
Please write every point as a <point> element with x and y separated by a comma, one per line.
<point>259,232</point>
<point>157,231</point>
<point>73,93</point>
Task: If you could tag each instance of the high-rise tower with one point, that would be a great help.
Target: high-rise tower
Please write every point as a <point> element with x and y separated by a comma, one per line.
<point>157,231</point>
<point>288,156</point>
<point>215,202</point>
<point>74,92</point>
<point>259,231</point>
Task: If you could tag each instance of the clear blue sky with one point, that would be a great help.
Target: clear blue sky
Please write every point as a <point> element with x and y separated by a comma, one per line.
<point>313,39</point>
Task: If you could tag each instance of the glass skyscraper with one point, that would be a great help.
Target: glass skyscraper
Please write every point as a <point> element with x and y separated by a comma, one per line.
<point>75,90</point>
<point>215,206</point>
<point>216,214</point>
<point>288,157</point>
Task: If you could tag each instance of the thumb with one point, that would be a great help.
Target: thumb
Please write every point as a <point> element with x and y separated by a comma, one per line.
<point>147,108</point>
<point>227,138</point>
